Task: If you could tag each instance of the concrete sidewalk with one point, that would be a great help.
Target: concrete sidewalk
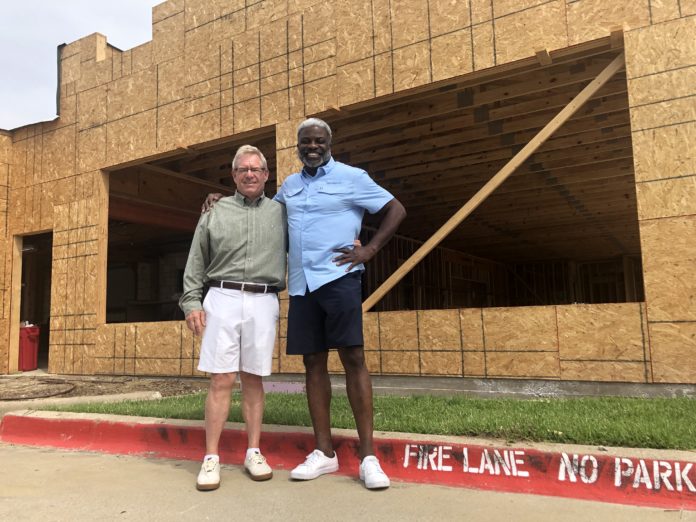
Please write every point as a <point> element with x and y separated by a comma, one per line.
<point>39,484</point>
<point>664,479</point>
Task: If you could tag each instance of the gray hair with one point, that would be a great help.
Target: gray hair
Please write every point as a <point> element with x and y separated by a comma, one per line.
<point>314,122</point>
<point>249,149</point>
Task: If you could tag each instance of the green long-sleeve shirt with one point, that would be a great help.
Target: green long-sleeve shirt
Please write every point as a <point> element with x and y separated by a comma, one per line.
<point>237,240</point>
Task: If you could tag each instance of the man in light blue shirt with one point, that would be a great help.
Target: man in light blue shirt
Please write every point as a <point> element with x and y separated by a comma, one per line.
<point>325,205</point>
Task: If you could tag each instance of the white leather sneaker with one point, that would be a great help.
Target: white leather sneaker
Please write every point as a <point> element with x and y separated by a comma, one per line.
<point>257,467</point>
<point>372,475</point>
<point>315,465</point>
<point>209,475</point>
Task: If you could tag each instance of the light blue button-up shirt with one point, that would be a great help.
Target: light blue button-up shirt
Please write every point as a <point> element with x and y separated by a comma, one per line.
<point>325,212</point>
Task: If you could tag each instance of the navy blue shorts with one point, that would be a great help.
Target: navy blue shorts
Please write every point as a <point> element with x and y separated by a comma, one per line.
<point>329,317</point>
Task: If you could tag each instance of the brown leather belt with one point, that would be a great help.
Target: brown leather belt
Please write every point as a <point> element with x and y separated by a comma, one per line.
<point>254,288</point>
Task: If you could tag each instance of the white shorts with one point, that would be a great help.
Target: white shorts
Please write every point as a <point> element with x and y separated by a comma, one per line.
<point>240,332</point>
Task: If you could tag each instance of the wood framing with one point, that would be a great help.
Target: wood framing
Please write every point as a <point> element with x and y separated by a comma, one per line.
<point>496,180</point>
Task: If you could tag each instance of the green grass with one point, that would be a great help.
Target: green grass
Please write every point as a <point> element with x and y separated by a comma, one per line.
<point>646,423</point>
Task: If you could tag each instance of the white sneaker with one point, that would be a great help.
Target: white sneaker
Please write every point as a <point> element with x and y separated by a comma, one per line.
<point>315,465</point>
<point>209,475</point>
<point>257,467</point>
<point>372,475</point>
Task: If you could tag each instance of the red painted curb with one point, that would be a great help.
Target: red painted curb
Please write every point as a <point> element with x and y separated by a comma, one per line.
<point>644,482</point>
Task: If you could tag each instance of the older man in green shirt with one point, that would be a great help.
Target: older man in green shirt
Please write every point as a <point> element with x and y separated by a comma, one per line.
<point>238,252</point>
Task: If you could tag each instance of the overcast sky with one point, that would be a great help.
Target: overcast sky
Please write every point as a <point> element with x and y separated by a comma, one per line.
<point>30,32</point>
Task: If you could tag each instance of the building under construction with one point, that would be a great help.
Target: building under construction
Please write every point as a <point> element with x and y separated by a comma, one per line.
<point>543,149</point>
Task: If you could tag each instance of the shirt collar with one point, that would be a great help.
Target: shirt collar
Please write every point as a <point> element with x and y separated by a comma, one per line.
<point>321,171</point>
<point>243,200</point>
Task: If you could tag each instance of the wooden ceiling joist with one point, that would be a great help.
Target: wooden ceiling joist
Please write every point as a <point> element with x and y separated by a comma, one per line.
<point>523,155</point>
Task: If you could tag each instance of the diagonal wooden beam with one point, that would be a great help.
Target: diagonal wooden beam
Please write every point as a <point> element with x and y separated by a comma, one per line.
<point>616,65</point>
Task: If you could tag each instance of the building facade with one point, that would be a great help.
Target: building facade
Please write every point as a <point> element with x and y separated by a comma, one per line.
<point>580,266</point>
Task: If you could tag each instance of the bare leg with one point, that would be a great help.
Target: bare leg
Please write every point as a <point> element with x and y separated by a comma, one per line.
<point>252,406</point>
<point>359,390</point>
<point>217,407</point>
<point>318,387</point>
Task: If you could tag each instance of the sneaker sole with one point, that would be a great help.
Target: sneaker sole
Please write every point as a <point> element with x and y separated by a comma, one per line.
<point>207,487</point>
<point>379,485</point>
<point>313,476</point>
<point>259,478</point>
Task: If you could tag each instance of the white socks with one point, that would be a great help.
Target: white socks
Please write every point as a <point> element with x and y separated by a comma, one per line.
<point>251,451</point>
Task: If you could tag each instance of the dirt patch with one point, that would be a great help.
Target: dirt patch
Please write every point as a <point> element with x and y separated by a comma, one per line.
<point>41,386</point>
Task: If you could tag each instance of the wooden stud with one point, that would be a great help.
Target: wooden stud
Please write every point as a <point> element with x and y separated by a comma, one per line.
<point>543,57</point>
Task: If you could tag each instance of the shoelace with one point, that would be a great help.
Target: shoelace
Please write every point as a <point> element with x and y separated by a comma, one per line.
<point>312,458</point>
<point>209,465</point>
<point>257,458</point>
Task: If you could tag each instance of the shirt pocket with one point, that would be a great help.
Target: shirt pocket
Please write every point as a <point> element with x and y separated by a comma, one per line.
<point>293,191</point>
<point>334,196</point>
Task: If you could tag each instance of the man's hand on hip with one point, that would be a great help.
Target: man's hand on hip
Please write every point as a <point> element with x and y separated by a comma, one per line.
<point>196,321</point>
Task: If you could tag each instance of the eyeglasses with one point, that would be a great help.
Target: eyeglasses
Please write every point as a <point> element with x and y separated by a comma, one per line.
<point>253,170</point>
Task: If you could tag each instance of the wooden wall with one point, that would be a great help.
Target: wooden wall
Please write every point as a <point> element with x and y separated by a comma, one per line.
<point>576,342</point>
<point>661,68</point>
<point>216,69</point>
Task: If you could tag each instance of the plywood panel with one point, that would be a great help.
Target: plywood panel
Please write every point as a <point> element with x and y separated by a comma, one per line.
<point>170,125</point>
<point>398,330</point>
<point>168,38</point>
<point>321,95</point>
<point>409,21</point>
<point>132,94</point>
<point>91,107</point>
<point>353,30</point>
<point>167,9</point>
<point>523,365</point>
<point>481,11</point>
<point>131,138</point>
<point>160,340</point>
<point>666,198</point>
<point>474,364</point>
<point>441,363</point>
<point>671,112</point>
<point>91,149</point>
<point>401,362</point>
<point>170,81</point>
<point>447,16</point>
<point>590,19</point>
<point>660,153</point>
<point>452,54</point>
<point>506,7</point>
<point>439,330</point>
<point>604,371</point>
<point>660,47</point>
<point>411,66</point>
<point>600,332</point>
<point>669,264</point>
<point>674,352</point>
<point>521,34</point>
<point>356,82</point>
<point>522,328</point>
<point>371,331</point>
<point>472,328</point>
<point>157,367</point>
<point>688,7</point>
<point>59,154</point>
<point>384,79</point>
